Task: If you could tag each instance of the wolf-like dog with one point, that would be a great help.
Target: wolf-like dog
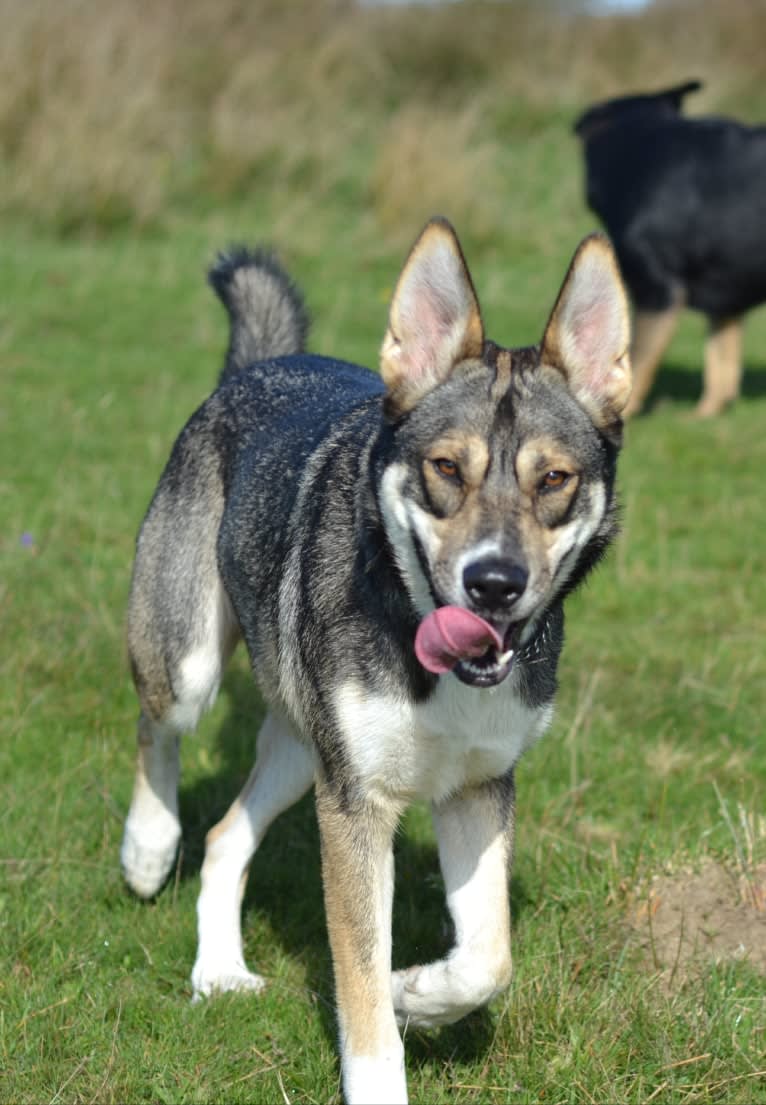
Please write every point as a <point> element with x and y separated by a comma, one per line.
<point>395,549</point>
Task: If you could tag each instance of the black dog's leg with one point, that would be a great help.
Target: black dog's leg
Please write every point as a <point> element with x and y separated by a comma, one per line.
<point>652,331</point>
<point>723,366</point>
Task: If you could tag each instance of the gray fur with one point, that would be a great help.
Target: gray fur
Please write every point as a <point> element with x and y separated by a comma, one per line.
<point>279,518</point>
<point>266,310</point>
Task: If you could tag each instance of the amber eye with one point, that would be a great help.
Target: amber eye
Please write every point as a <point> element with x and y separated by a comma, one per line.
<point>551,481</point>
<point>446,468</point>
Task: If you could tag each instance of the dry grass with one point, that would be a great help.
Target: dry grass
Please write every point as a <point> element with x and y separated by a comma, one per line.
<point>115,110</point>
<point>434,160</point>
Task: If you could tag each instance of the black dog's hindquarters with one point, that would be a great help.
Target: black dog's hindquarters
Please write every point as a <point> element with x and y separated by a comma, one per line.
<point>684,201</point>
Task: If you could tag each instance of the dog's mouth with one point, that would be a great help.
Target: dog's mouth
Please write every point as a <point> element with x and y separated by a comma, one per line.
<point>492,666</point>
<point>454,639</point>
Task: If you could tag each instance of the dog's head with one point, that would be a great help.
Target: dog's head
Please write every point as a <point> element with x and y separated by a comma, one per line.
<point>498,492</point>
<point>623,110</point>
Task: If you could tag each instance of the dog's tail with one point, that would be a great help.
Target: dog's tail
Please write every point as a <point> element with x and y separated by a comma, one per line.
<point>267,315</point>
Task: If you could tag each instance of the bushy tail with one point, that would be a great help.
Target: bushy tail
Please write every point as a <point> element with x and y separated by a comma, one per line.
<point>266,311</point>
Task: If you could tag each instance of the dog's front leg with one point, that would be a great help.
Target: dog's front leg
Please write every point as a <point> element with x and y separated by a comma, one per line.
<point>475,835</point>
<point>723,366</point>
<point>358,874</point>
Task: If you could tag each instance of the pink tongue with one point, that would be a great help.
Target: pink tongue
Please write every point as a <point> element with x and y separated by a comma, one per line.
<point>450,634</point>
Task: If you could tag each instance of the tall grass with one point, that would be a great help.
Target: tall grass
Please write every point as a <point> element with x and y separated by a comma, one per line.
<point>117,111</point>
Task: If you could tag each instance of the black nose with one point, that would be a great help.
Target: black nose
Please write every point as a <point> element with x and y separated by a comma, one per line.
<point>493,583</point>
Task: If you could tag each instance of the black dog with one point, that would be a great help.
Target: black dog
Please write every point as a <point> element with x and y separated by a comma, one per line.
<point>684,201</point>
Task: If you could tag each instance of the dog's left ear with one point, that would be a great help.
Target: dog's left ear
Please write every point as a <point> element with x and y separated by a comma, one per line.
<point>434,321</point>
<point>588,333</point>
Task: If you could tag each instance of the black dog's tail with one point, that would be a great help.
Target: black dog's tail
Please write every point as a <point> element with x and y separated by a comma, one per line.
<point>266,311</point>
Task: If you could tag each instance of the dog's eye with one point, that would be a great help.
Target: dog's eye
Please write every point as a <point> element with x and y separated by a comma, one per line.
<point>447,468</point>
<point>553,480</point>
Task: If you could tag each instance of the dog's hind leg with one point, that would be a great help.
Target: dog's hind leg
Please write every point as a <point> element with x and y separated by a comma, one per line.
<point>723,366</point>
<point>152,829</point>
<point>652,331</point>
<point>283,772</point>
<point>475,835</point>
<point>177,670</point>
<point>181,632</point>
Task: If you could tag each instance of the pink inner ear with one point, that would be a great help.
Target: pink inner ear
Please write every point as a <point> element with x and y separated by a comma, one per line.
<point>589,331</point>
<point>595,336</point>
<point>595,329</point>
<point>434,308</point>
<point>424,326</point>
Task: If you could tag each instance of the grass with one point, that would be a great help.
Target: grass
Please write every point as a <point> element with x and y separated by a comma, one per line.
<point>108,340</point>
<point>125,112</point>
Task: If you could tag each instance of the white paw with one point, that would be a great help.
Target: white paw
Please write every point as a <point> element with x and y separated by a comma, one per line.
<point>407,999</point>
<point>399,980</point>
<point>375,1080</point>
<point>147,857</point>
<point>431,996</point>
<point>208,979</point>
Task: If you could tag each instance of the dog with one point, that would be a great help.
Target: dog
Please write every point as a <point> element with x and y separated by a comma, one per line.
<point>684,202</point>
<point>395,549</point>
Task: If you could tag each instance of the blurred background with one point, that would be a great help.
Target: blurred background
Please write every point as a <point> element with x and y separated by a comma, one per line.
<point>118,113</point>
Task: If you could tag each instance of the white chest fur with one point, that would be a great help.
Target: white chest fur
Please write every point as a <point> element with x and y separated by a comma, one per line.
<point>459,737</point>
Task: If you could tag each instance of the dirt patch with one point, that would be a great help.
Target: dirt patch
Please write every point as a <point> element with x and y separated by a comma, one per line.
<point>712,913</point>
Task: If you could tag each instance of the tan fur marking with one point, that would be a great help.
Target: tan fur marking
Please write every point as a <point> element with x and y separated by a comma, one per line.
<point>469,451</point>
<point>461,503</point>
<point>243,883</point>
<point>151,681</point>
<point>355,851</point>
<point>535,458</point>
<point>503,367</point>
<point>538,456</point>
<point>652,331</point>
<point>463,523</point>
<point>537,538</point>
<point>723,367</point>
<point>234,811</point>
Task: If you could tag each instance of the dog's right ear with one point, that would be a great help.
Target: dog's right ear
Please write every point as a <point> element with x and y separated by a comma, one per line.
<point>434,321</point>
<point>588,333</point>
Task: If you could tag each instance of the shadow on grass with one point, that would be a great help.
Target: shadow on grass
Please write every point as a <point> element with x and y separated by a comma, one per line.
<point>285,884</point>
<point>678,382</point>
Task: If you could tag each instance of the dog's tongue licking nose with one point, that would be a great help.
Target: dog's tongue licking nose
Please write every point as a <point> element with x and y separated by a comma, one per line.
<point>450,634</point>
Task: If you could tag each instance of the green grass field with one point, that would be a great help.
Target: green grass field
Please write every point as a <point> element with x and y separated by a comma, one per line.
<point>654,773</point>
